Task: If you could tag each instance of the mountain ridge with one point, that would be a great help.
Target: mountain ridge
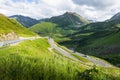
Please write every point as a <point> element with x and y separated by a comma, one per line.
<point>25,20</point>
<point>68,18</point>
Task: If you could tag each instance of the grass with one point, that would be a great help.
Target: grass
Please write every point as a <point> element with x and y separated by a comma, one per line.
<point>80,58</point>
<point>44,28</point>
<point>104,44</point>
<point>7,25</point>
<point>31,60</point>
<point>100,59</point>
<point>51,29</point>
<point>73,54</point>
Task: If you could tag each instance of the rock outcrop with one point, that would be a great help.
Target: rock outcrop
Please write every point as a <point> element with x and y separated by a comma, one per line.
<point>8,36</point>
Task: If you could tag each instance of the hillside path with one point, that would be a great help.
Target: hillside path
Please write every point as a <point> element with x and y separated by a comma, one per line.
<point>12,42</point>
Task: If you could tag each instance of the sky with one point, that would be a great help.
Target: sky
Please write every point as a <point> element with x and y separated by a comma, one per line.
<point>98,10</point>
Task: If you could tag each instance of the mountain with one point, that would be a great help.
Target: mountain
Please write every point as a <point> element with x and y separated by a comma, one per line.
<point>41,58</point>
<point>11,25</point>
<point>66,24</point>
<point>110,24</point>
<point>25,21</point>
<point>68,18</point>
<point>116,17</point>
<point>100,39</point>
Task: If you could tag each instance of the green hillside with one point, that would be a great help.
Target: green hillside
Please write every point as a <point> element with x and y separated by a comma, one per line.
<point>32,60</point>
<point>98,41</point>
<point>44,28</point>
<point>106,47</point>
<point>51,29</point>
<point>7,25</point>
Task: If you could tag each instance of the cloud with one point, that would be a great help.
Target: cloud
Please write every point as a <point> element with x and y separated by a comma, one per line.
<point>90,9</point>
<point>101,9</point>
<point>99,4</point>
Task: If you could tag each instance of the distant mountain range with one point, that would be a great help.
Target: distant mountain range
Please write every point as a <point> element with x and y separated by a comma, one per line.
<point>68,18</point>
<point>116,17</point>
<point>25,21</point>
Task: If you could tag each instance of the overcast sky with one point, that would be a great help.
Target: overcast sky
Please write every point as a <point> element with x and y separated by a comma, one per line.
<point>91,9</point>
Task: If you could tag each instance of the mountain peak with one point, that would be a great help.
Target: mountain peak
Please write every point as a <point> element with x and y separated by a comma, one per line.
<point>76,17</point>
<point>116,16</point>
<point>70,13</point>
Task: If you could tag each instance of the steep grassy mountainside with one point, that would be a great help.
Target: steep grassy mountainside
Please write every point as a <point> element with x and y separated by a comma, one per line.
<point>25,21</point>
<point>7,25</point>
<point>100,39</point>
<point>106,47</point>
<point>32,60</point>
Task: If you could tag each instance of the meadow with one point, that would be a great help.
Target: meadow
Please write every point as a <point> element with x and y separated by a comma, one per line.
<point>32,60</point>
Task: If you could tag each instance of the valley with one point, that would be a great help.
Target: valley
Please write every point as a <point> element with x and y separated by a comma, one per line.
<point>34,54</point>
<point>100,39</point>
<point>64,47</point>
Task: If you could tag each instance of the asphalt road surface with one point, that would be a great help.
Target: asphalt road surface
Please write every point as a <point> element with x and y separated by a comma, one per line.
<point>95,61</point>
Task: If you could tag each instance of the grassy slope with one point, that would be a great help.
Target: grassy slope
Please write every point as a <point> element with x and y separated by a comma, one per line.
<point>31,60</point>
<point>100,39</point>
<point>8,25</point>
<point>50,29</point>
<point>44,28</point>
<point>106,47</point>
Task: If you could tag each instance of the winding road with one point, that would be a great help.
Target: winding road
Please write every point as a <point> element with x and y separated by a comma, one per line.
<point>63,52</point>
<point>95,61</point>
<point>11,42</point>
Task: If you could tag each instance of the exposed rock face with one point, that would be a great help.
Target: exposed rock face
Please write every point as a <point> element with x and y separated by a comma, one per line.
<point>9,36</point>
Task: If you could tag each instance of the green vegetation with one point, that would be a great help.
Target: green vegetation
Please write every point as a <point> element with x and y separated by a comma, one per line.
<point>50,29</point>
<point>105,47</point>
<point>44,28</point>
<point>99,39</point>
<point>80,58</point>
<point>31,60</point>
<point>8,25</point>
<point>59,27</point>
<point>75,55</point>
